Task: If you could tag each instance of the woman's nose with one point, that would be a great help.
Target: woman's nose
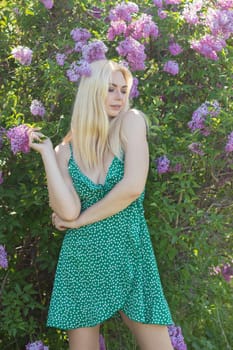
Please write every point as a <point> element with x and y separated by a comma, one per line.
<point>119,94</point>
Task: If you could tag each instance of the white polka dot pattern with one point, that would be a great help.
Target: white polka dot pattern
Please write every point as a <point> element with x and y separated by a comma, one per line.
<point>107,266</point>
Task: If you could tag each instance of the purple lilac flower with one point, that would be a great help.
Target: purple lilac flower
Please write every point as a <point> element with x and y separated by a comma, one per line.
<point>195,147</point>
<point>177,338</point>
<point>95,12</point>
<point>199,116</point>
<point>175,49</point>
<point>94,51</point>
<point>16,10</point>
<point>47,3</point>
<point>84,68</point>
<point>37,345</point>
<point>116,28</point>
<point>208,46</point>
<point>2,132</point>
<point>171,67</point>
<point>158,3</point>
<point>101,342</point>
<point>123,11</point>
<point>79,46</point>
<point>80,34</point>
<point>226,270</point>
<point>162,14</point>
<point>3,257</point>
<point>172,2</point>
<point>220,22</point>
<point>229,145</point>
<point>134,89</point>
<point>133,51</point>
<point>224,4</point>
<point>60,58</point>
<point>144,27</point>
<point>163,164</point>
<point>37,108</point>
<point>73,72</point>
<point>23,54</point>
<point>19,139</point>
<point>190,12</point>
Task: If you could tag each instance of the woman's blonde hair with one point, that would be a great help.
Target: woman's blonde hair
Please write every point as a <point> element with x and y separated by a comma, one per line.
<point>92,132</point>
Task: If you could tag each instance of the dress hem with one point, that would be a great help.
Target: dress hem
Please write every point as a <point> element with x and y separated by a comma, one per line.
<point>106,319</point>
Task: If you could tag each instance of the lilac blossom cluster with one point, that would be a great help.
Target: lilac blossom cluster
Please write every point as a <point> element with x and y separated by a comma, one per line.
<point>48,4</point>
<point>177,338</point>
<point>133,51</point>
<point>37,345</point>
<point>123,11</point>
<point>3,257</point>
<point>102,342</point>
<point>225,4</point>
<point>162,4</point>
<point>19,139</point>
<point>134,89</point>
<point>199,116</point>
<point>22,54</point>
<point>37,108</point>
<point>175,49</point>
<point>229,145</point>
<point>133,30</point>
<point>171,67</point>
<point>208,46</point>
<point>89,52</point>
<point>218,22</point>
<point>191,11</point>
<point>163,165</point>
<point>226,270</point>
<point>196,147</point>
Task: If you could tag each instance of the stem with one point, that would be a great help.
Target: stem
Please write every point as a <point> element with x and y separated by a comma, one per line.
<point>222,329</point>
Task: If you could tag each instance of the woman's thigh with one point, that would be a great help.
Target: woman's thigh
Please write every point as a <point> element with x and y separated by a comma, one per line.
<point>149,336</point>
<point>84,338</point>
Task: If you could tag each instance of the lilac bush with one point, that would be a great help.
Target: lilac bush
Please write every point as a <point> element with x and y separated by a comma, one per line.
<point>180,53</point>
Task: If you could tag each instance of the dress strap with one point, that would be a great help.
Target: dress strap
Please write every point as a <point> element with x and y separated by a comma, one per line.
<point>71,149</point>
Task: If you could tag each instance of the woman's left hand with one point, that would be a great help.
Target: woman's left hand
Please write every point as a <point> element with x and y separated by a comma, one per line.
<point>63,225</point>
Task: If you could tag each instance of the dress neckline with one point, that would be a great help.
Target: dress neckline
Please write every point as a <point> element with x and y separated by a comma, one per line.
<point>88,178</point>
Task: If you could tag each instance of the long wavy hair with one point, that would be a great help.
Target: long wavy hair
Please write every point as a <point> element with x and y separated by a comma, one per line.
<point>92,132</point>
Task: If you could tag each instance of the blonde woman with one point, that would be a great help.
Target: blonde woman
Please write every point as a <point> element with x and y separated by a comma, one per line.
<point>96,179</point>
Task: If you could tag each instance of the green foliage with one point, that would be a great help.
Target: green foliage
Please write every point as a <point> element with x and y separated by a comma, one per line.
<point>189,212</point>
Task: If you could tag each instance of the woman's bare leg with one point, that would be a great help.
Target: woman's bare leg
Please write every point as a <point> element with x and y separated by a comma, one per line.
<point>148,336</point>
<point>84,338</point>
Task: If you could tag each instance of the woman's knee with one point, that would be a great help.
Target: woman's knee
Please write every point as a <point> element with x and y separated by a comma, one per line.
<point>86,338</point>
<point>149,336</point>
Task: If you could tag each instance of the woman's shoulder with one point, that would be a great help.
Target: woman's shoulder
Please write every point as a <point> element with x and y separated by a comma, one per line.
<point>63,151</point>
<point>134,119</point>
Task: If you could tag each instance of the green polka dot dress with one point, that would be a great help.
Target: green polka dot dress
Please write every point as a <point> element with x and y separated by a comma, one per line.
<point>106,266</point>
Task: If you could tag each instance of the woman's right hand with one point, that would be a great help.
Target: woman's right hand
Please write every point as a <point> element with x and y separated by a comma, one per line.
<point>38,141</point>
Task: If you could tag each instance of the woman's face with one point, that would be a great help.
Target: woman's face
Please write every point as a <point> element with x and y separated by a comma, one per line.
<point>117,94</point>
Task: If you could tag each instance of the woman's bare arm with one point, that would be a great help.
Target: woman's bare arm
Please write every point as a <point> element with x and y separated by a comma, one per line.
<point>63,198</point>
<point>133,181</point>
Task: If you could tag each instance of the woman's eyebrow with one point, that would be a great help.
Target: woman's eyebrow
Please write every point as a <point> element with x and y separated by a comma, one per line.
<point>115,85</point>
